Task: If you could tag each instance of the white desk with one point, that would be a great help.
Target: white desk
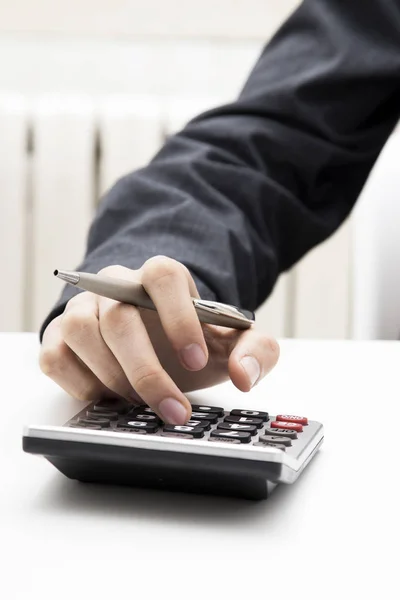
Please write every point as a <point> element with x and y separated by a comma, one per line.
<point>333,534</point>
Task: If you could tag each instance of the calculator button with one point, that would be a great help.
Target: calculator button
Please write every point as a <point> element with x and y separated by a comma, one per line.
<point>149,427</point>
<point>225,440</point>
<point>108,414</point>
<point>253,414</point>
<point>252,429</point>
<point>100,422</point>
<point>203,424</point>
<point>276,439</point>
<point>146,417</point>
<point>183,436</point>
<point>118,405</point>
<point>270,445</point>
<point>281,432</point>
<point>287,425</point>
<point>80,426</point>
<point>218,410</point>
<point>211,417</point>
<point>292,419</point>
<point>142,409</point>
<point>196,432</point>
<point>244,420</point>
<point>243,436</point>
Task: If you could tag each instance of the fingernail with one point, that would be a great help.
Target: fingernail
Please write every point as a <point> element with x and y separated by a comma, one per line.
<point>194,357</point>
<point>252,368</point>
<point>172,411</point>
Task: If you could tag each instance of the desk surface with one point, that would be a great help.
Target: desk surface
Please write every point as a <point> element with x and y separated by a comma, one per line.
<point>334,533</point>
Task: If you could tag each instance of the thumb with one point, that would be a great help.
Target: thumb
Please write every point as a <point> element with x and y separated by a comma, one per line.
<point>252,357</point>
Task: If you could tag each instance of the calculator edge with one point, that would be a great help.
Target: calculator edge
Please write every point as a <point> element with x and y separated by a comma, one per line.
<point>291,467</point>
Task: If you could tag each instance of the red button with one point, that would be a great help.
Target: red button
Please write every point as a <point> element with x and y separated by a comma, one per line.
<point>287,425</point>
<point>293,419</point>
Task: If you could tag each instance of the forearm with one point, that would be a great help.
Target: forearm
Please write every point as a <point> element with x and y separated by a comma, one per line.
<point>244,191</point>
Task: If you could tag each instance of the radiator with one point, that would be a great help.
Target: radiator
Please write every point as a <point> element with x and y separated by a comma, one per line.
<point>58,154</point>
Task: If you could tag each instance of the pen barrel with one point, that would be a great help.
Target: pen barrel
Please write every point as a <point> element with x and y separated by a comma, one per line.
<point>128,292</point>
<point>131,292</point>
<point>222,320</point>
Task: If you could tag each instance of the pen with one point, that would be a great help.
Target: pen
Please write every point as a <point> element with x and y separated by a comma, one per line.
<point>134,293</point>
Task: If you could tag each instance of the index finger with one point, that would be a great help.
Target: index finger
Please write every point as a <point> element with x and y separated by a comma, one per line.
<point>125,334</point>
<point>168,284</point>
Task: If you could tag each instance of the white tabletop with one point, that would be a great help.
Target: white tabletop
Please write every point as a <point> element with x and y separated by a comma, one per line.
<point>332,534</point>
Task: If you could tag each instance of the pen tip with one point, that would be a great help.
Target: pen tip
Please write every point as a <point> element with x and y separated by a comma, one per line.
<point>68,276</point>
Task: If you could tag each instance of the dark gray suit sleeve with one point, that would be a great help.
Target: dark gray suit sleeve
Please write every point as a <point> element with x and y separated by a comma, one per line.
<point>244,191</point>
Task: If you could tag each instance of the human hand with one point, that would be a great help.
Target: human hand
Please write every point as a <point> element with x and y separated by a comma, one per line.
<point>99,347</point>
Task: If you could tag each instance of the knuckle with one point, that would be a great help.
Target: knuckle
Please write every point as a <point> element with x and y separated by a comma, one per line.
<point>109,270</point>
<point>77,300</point>
<point>52,327</point>
<point>51,358</point>
<point>160,259</point>
<point>159,267</point>
<point>114,271</point>
<point>77,324</point>
<point>118,319</point>
<point>145,376</point>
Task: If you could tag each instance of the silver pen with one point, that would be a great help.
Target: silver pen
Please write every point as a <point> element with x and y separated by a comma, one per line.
<point>134,293</point>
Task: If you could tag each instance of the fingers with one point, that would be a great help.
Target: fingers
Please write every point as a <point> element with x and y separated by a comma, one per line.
<point>100,345</point>
<point>81,332</point>
<point>171,287</point>
<point>252,357</point>
<point>59,362</point>
<point>126,336</point>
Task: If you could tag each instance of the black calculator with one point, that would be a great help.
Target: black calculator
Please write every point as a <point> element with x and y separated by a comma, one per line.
<point>240,452</point>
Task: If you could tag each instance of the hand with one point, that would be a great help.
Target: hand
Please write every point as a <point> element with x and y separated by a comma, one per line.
<point>99,347</point>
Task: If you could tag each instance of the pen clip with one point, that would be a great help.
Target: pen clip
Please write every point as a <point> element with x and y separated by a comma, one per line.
<point>225,310</point>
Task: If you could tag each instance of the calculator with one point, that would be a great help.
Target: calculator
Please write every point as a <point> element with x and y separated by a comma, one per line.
<point>239,452</point>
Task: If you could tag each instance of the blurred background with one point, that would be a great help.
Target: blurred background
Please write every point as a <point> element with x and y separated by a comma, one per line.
<point>89,90</point>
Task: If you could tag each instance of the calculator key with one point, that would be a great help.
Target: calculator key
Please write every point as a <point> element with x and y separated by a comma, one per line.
<point>149,427</point>
<point>270,445</point>
<point>196,432</point>
<point>147,417</point>
<point>100,422</point>
<point>287,425</point>
<point>225,440</point>
<point>292,419</point>
<point>276,439</point>
<point>243,436</point>
<point>80,426</point>
<point>218,410</point>
<point>281,432</point>
<point>252,429</point>
<point>142,409</point>
<point>199,416</point>
<point>244,420</point>
<point>107,414</point>
<point>118,405</point>
<point>253,414</point>
<point>203,424</point>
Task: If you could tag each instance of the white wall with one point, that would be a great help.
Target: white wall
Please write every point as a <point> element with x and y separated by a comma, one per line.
<point>146,46</point>
<point>251,19</point>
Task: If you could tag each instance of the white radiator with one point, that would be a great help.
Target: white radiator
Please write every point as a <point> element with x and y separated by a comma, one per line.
<point>58,154</point>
